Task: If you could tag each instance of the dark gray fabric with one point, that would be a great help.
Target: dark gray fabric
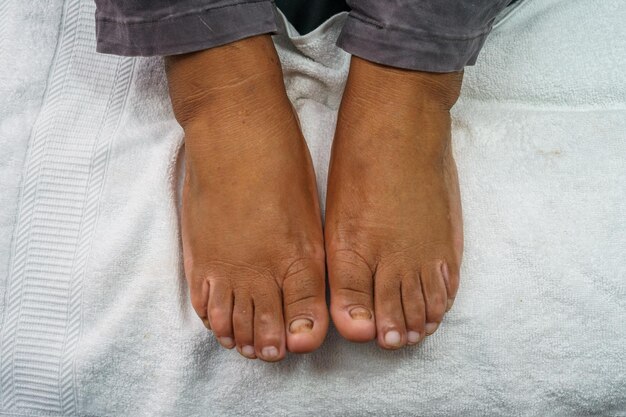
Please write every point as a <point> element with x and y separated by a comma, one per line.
<point>426,35</point>
<point>170,27</point>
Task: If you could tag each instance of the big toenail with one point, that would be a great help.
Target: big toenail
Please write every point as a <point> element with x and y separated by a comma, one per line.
<point>227,342</point>
<point>431,327</point>
<point>413,337</point>
<point>248,351</point>
<point>269,352</point>
<point>360,313</point>
<point>301,326</point>
<point>393,338</point>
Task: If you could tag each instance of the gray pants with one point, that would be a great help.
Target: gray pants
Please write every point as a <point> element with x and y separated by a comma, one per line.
<point>426,35</point>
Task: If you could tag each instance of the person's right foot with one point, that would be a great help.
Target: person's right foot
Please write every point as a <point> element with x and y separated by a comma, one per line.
<point>251,225</point>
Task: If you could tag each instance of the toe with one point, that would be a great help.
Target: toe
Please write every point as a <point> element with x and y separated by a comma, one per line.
<point>220,312</point>
<point>269,327</point>
<point>351,296</point>
<point>413,307</point>
<point>390,326</point>
<point>199,294</point>
<point>434,292</point>
<point>243,325</point>
<point>304,300</point>
<point>451,278</point>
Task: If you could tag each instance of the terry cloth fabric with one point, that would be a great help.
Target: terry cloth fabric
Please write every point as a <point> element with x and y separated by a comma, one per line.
<point>95,317</point>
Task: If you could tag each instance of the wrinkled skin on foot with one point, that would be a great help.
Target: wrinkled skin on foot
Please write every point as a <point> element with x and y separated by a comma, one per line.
<point>251,228</point>
<point>393,229</point>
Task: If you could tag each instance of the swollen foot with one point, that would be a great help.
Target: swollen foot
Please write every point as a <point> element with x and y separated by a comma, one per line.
<point>393,216</point>
<point>251,228</point>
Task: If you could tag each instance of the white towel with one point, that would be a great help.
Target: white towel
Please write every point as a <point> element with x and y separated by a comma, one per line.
<point>93,306</point>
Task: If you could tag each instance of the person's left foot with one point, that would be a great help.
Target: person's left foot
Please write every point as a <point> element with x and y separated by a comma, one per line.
<point>393,230</point>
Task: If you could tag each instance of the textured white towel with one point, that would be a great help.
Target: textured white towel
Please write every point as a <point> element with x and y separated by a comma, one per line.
<point>93,306</point>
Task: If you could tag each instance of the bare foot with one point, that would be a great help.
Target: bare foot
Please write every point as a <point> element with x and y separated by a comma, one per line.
<point>251,227</point>
<point>393,215</point>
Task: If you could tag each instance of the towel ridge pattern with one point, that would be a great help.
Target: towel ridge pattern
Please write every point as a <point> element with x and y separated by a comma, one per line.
<point>61,185</point>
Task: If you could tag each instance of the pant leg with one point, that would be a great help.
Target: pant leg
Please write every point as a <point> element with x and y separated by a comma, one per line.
<point>425,35</point>
<point>169,27</point>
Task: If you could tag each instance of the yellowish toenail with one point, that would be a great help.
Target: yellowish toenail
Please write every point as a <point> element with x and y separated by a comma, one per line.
<point>450,302</point>
<point>301,326</point>
<point>269,352</point>
<point>360,313</point>
<point>393,338</point>
<point>248,351</point>
<point>413,337</point>
<point>227,342</point>
<point>431,327</point>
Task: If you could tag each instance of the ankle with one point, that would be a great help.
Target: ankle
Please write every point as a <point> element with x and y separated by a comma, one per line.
<point>400,107</point>
<point>246,73</point>
<point>415,90</point>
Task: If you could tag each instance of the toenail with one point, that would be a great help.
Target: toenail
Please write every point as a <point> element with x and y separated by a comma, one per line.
<point>431,327</point>
<point>301,326</point>
<point>413,337</point>
<point>450,302</point>
<point>227,342</point>
<point>393,338</point>
<point>269,352</point>
<point>360,313</point>
<point>248,351</point>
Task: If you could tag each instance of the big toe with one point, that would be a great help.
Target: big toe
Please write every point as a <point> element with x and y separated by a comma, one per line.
<point>352,299</point>
<point>306,316</point>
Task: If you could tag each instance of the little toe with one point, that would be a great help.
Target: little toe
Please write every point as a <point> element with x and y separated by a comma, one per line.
<point>413,307</point>
<point>220,313</point>
<point>431,328</point>
<point>243,325</point>
<point>306,315</point>
<point>390,325</point>
<point>352,298</point>
<point>435,296</point>
<point>451,278</point>
<point>199,295</point>
<point>269,327</point>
